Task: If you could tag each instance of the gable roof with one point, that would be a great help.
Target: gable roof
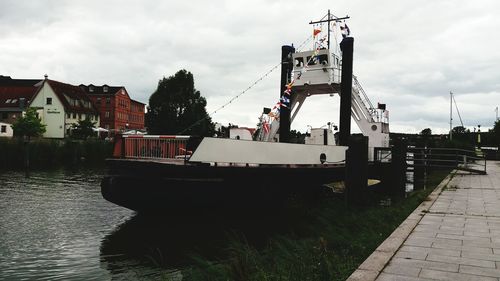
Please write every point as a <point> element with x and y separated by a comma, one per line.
<point>72,97</point>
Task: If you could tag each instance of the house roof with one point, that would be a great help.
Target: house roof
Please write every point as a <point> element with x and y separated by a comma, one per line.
<point>72,97</point>
<point>7,81</point>
<point>134,101</point>
<point>13,91</point>
<point>101,90</point>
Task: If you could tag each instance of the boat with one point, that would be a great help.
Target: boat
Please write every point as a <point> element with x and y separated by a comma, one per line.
<point>187,173</point>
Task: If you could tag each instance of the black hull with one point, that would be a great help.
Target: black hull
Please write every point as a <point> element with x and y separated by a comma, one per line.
<point>152,186</point>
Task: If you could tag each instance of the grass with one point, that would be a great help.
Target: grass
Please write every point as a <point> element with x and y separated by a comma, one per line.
<point>324,242</point>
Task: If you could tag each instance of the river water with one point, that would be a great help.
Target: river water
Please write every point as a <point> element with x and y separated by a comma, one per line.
<point>55,225</point>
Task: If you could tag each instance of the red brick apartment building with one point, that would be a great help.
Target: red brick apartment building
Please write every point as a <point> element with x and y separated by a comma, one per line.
<point>117,110</point>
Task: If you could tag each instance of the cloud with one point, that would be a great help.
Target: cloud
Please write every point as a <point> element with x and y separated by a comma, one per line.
<point>409,55</point>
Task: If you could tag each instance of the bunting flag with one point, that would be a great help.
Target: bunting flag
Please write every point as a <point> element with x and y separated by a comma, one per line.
<point>266,127</point>
<point>345,30</point>
<point>285,99</point>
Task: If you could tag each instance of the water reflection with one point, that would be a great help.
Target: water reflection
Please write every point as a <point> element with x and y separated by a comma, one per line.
<point>55,225</point>
<point>52,224</point>
<point>174,241</point>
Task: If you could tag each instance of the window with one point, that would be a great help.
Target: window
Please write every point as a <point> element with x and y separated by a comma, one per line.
<point>299,62</point>
<point>79,116</point>
<point>8,101</point>
<point>311,61</point>
<point>68,115</point>
<point>98,101</point>
<point>106,114</point>
<point>49,101</point>
<point>3,129</point>
<point>108,100</point>
<point>323,59</point>
<point>74,115</point>
<point>105,89</point>
<point>5,115</point>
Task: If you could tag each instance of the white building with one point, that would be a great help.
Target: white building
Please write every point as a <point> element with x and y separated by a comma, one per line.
<point>6,130</point>
<point>61,105</point>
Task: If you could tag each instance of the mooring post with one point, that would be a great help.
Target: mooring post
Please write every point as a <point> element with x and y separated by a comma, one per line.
<point>346,46</point>
<point>418,166</point>
<point>286,77</point>
<point>398,167</point>
<point>356,170</point>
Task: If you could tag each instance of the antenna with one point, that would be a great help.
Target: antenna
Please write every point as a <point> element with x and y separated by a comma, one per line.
<point>330,19</point>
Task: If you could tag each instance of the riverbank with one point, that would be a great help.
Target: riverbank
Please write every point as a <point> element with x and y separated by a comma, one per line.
<point>323,242</point>
<point>52,153</point>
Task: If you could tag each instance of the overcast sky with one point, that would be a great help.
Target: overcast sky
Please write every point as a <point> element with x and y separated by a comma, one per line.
<point>407,54</point>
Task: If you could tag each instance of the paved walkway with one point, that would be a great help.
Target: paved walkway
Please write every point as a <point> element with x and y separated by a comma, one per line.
<point>456,237</point>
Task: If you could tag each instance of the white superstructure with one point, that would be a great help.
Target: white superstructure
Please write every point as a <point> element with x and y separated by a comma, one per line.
<point>321,74</point>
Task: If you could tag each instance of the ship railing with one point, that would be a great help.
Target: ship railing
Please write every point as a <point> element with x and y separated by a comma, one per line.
<point>152,147</point>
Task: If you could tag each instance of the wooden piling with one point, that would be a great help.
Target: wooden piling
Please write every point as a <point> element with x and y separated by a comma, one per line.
<point>398,167</point>
<point>356,178</point>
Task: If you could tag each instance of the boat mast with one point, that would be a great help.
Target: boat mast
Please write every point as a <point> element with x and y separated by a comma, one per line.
<point>328,20</point>
<point>451,114</point>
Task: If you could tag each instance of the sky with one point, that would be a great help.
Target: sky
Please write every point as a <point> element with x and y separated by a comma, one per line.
<point>407,54</point>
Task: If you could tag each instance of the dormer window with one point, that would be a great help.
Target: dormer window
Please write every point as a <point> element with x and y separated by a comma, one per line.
<point>14,101</point>
<point>8,101</point>
<point>91,88</point>
<point>105,89</point>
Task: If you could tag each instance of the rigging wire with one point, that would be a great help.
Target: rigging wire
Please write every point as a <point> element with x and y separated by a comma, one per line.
<point>456,106</point>
<point>244,91</point>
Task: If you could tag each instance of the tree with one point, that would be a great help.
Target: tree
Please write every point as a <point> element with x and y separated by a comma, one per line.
<point>83,129</point>
<point>176,107</point>
<point>496,133</point>
<point>459,130</point>
<point>426,132</point>
<point>29,125</point>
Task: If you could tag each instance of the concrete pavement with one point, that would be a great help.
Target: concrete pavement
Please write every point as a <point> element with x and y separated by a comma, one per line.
<point>453,236</point>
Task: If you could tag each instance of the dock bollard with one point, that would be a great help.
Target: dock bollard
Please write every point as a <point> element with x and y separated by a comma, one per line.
<point>356,170</point>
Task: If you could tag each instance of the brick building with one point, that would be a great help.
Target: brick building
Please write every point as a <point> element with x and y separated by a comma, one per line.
<point>117,110</point>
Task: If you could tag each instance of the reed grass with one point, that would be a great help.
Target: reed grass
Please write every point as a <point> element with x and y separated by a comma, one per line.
<point>326,242</point>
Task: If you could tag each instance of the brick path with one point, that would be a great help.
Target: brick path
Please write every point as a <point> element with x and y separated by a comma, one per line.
<point>457,239</point>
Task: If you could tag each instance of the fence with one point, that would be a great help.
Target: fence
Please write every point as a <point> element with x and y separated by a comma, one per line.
<point>460,159</point>
<point>153,147</point>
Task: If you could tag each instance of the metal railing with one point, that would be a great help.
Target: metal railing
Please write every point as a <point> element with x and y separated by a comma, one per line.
<point>155,147</point>
<point>460,159</point>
